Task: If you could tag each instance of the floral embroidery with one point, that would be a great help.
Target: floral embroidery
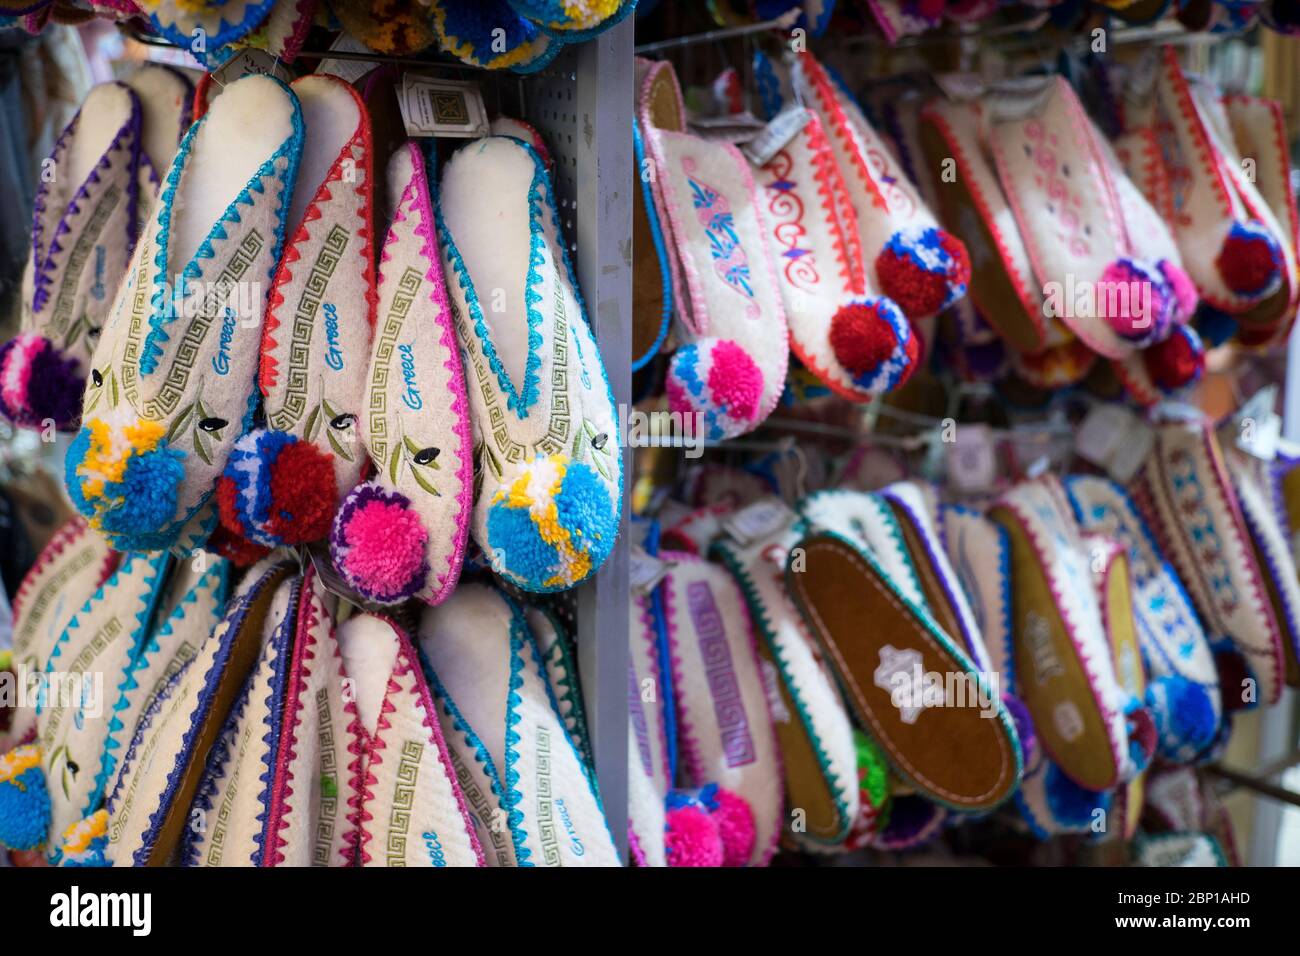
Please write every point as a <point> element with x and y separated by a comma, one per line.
<point>1050,177</point>
<point>715,215</point>
<point>1207,546</point>
<point>798,262</point>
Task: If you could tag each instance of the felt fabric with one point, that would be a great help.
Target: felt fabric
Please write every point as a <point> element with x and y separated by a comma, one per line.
<point>281,34</point>
<point>403,534</point>
<point>549,464</point>
<point>83,229</point>
<point>725,729</point>
<point>811,721</point>
<point>507,735</point>
<point>650,776</point>
<point>411,809</point>
<point>166,103</point>
<point>559,657</point>
<point>172,380</point>
<point>979,551</point>
<point>218,22</point>
<point>731,371</point>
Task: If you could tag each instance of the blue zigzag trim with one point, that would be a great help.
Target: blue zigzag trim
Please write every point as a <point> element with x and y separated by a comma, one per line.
<point>225,33</point>
<point>274,721</point>
<point>513,795</point>
<point>214,769</point>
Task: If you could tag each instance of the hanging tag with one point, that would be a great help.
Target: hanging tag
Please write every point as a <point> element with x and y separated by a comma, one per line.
<point>347,70</point>
<point>248,62</point>
<point>644,570</point>
<point>972,459</point>
<point>1115,439</point>
<point>758,521</point>
<point>1257,427</point>
<point>436,107</point>
<point>734,128</point>
<point>776,135</point>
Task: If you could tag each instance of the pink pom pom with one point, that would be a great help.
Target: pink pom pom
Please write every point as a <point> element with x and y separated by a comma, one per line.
<point>736,827</point>
<point>735,380</point>
<point>1131,303</point>
<point>691,838</point>
<point>1184,290</point>
<point>378,544</point>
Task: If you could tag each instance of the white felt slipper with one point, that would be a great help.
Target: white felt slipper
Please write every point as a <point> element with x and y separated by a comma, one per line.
<point>84,226</point>
<point>549,464</point>
<point>560,661</point>
<point>491,34</point>
<point>282,483</point>
<point>206,26</point>
<point>403,533</point>
<point>166,105</point>
<point>172,387</point>
<point>650,775</point>
<point>506,735</point>
<point>732,368</point>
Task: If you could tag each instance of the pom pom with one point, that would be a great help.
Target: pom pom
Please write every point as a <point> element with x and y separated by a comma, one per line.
<point>719,380</point>
<point>1184,716</point>
<point>378,544</point>
<point>691,837</point>
<point>735,820</point>
<point>277,489</point>
<point>913,821</point>
<point>873,340</point>
<point>235,548</point>
<point>1135,301</point>
<point>85,842</point>
<point>1182,290</point>
<point>24,799</point>
<point>1142,736</point>
<point>551,524</point>
<point>924,270</point>
<point>1070,804</point>
<point>1177,362</point>
<point>1250,261</point>
<point>1024,724</point>
<point>38,383</point>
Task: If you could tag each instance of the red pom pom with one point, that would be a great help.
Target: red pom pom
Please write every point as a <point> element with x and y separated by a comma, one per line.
<point>1174,363</point>
<point>303,494</point>
<point>1248,262</point>
<point>908,275</point>
<point>691,838</point>
<point>228,506</point>
<point>861,338</point>
<point>235,548</point>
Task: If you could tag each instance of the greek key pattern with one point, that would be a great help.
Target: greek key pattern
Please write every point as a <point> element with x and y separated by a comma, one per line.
<point>304,319</point>
<point>481,807</point>
<point>545,807</point>
<point>46,596</point>
<point>220,829</point>
<point>399,818</point>
<point>105,636</point>
<point>408,287</point>
<point>724,688</point>
<point>328,805</point>
<point>184,654</point>
<point>86,240</point>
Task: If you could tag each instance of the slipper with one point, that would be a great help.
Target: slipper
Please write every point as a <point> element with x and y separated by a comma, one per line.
<point>812,725</point>
<point>910,259</point>
<point>1051,804</point>
<point>233,795</point>
<point>653,278</point>
<point>166,110</point>
<point>490,34</point>
<point>402,534</point>
<point>979,551</point>
<point>218,23</point>
<point>549,478</point>
<point>533,801</point>
<point>650,774</point>
<point>859,345</point>
<point>84,226</point>
<point>1002,282</point>
<point>313,794</point>
<point>391,27</point>
<point>1183,691</point>
<point>1167,371</point>
<point>67,572</point>
<point>1063,663</point>
<point>160,772</point>
<point>559,656</point>
<point>951,753</point>
<point>167,400</point>
<point>282,482</point>
<point>282,34</point>
<point>1186,492</point>
<point>1178,849</point>
<point>577,22</point>
<point>731,369</point>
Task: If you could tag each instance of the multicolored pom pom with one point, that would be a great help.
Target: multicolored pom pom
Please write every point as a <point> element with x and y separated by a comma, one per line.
<point>85,842</point>
<point>1178,362</point>
<point>1250,261</point>
<point>718,380</point>
<point>875,343</point>
<point>690,835</point>
<point>913,822</point>
<point>1182,290</point>
<point>378,544</point>
<point>277,489</point>
<point>24,800</point>
<point>1184,717</point>
<point>1142,735</point>
<point>924,270</point>
<point>735,819</point>
<point>1135,301</point>
<point>39,384</point>
<point>873,792</point>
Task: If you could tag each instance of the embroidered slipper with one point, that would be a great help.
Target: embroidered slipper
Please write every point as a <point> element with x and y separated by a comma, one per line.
<point>943,746</point>
<point>1168,370</point>
<point>166,108</point>
<point>168,399</point>
<point>549,466</point>
<point>812,725</point>
<point>392,27</point>
<point>1063,663</point>
<point>216,23</point>
<point>281,34</point>
<point>492,35</point>
<point>911,260</point>
<point>859,345</point>
<point>232,800</point>
<point>1002,282</point>
<point>68,571</point>
<point>1186,493</point>
<point>1183,690</point>
<point>282,483</point>
<point>725,736</point>
<point>534,802</point>
<point>653,277</point>
<point>403,533</point>
<point>559,656</point>
<point>731,369</point>
<point>161,770</point>
<point>576,22</point>
<point>84,226</point>
<point>650,774</point>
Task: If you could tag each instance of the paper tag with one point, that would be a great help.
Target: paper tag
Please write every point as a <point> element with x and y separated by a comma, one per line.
<point>1258,428</point>
<point>248,62</point>
<point>347,70</point>
<point>436,107</point>
<point>758,521</point>
<point>776,135</point>
<point>972,459</point>
<point>730,128</point>
<point>644,570</point>
<point>1113,438</point>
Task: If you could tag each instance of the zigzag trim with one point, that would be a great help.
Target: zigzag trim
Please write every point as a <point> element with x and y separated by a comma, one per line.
<point>281,663</point>
<point>68,534</point>
<point>216,769</point>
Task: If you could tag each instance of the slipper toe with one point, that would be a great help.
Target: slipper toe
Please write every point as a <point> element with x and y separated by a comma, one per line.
<point>924,270</point>
<point>378,544</point>
<point>873,340</point>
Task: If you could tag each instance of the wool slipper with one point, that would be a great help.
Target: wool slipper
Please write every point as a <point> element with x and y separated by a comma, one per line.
<point>67,572</point>
<point>313,794</point>
<point>402,534</point>
<point>1051,804</point>
<point>1186,494</point>
<point>1063,663</point>
<point>490,34</point>
<point>1002,282</point>
<point>1183,689</point>
<point>1058,181</point>
<point>559,656</point>
<point>391,27</point>
<point>533,801</point>
<point>168,399</point>
<point>731,369</point>
<point>1168,370</point>
<point>84,226</point>
<point>650,773</point>
<point>160,772</point>
<point>549,466</point>
<point>910,259</point>
<point>283,482</point>
<point>812,724</point>
<point>204,27</point>
<point>859,345</point>
<point>233,796</point>
<point>653,277</point>
<point>1179,849</point>
<point>166,107</point>
<point>726,738</point>
<point>282,34</point>
<point>950,752</point>
<point>576,22</point>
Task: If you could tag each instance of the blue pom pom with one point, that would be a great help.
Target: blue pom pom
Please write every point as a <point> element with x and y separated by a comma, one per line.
<point>71,462</point>
<point>1070,804</point>
<point>148,493</point>
<point>1185,717</point>
<point>24,803</point>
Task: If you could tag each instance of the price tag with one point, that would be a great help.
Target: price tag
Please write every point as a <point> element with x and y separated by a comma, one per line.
<point>758,521</point>
<point>437,107</point>
<point>347,70</point>
<point>644,570</point>
<point>776,135</point>
<point>1112,437</point>
<point>972,459</point>
<point>248,62</point>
